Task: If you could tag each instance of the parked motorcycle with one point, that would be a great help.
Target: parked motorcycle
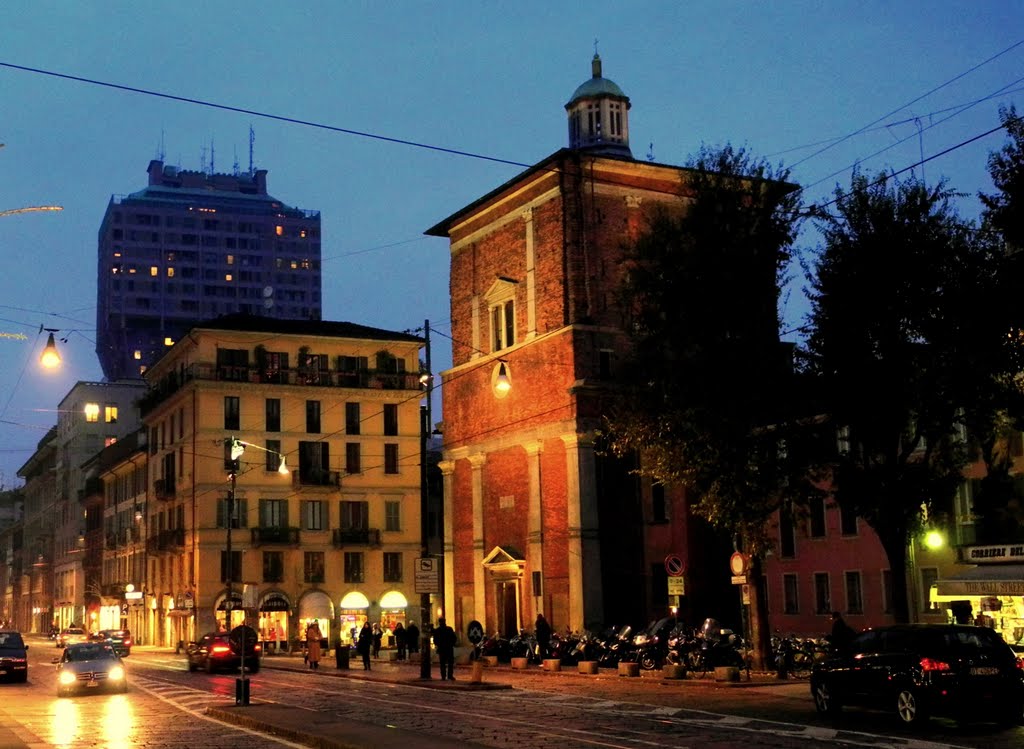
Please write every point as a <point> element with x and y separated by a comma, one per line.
<point>493,645</point>
<point>718,646</point>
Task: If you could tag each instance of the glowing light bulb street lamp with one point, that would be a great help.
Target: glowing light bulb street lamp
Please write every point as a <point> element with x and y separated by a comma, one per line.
<point>50,358</point>
<point>237,450</point>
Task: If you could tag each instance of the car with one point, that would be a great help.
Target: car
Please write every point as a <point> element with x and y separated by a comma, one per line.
<point>222,651</point>
<point>119,639</point>
<point>89,666</point>
<point>919,670</point>
<point>13,656</point>
<point>70,636</point>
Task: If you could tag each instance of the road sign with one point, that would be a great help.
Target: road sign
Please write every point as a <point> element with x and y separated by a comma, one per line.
<point>427,578</point>
<point>677,586</point>
<point>738,563</point>
<point>674,565</point>
<point>739,579</point>
<point>475,632</point>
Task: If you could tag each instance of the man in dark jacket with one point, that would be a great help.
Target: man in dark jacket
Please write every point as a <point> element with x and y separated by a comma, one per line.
<point>444,642</point>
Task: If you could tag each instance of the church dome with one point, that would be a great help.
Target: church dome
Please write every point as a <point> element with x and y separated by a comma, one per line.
<point>598,114</point>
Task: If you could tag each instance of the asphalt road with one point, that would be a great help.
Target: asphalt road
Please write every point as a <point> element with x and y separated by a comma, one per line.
<point>169,707</point>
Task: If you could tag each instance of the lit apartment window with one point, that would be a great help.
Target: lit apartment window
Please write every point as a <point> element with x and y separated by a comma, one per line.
<point>230,259</point>
<point>137,354</point>
<point>170,271</point>
<point>228,277</point>
<point>108,441</point>
<point>279,230</point>
<point>302,234</point>
<point>92,412</point>
<point>153,270</point>
<point>168,341</point>
<point>110,414</point>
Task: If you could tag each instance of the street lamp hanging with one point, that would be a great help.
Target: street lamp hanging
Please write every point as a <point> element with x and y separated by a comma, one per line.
<point>502,384</point>
<point>50,359</point>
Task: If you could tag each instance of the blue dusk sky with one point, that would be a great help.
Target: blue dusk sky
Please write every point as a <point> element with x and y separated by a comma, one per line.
<point>819,86</point>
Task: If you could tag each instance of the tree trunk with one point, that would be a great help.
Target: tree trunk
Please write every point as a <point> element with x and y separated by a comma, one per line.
<point>894,541</point>
<point>760,634</point>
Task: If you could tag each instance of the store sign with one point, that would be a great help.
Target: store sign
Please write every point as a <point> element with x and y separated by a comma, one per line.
<point>981,588</point>
<point>994,553</point>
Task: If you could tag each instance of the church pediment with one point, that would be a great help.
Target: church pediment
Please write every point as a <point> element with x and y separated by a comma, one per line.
<point>504,558</point>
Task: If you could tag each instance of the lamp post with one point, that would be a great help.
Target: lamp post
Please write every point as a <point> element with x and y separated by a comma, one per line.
<point>237,449</point>
<point>425,422</point>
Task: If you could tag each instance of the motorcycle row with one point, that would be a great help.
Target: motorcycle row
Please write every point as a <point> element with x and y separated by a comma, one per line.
<point>664,641</point>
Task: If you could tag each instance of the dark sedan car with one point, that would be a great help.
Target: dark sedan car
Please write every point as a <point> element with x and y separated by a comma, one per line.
<point>222,651</point>
<point>917,670</point>
<point>118,639</point>
<point>13,656</point>
<point>88,667</point>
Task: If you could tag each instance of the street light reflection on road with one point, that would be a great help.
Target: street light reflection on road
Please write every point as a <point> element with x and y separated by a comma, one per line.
<point>117,729</point>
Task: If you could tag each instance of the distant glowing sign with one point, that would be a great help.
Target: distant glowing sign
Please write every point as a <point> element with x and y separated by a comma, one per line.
<point>14,336</point>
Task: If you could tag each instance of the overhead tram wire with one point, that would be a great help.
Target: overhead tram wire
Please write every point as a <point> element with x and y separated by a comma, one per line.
<point>257,113</point>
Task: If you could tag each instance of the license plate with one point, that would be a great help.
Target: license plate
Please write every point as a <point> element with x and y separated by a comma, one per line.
<point>985,671</point>
<point>92,683</point>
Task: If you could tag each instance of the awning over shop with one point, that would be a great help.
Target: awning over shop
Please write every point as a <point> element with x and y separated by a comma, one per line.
<point>316,605</point>
<point>236,599</point>
<point>355,600</point>
<point>391,600</point>
<point>275,602</point>
<point>984,580</point>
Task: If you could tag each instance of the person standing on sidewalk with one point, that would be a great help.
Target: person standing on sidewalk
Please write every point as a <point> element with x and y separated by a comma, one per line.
<point>378,635</point>
<point>444,642</point>
<point>313,637</point>
<point>542,631</point>
<point>400,641</point>
<point>412,638</point>
<point>364,643</point>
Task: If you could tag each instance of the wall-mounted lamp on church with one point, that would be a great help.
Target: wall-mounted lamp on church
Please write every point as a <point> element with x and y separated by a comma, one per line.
<point>50,358</point>
<point>502,382</point>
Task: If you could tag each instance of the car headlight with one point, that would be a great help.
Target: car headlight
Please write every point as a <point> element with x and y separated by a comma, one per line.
<point>67,677</point>
<point>116,673</point>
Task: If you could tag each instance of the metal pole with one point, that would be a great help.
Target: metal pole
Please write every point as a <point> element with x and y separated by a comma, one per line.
<point>425,615</point>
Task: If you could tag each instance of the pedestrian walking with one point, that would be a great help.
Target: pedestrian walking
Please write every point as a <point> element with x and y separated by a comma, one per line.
<point>412,638</point>
<point>400,640</point>
<point>378,635</point>
<point>542,631</point>
<point>364,643</point>
<point>272,633</point>
<point>444,642</point>
<point>313,637</point>
<point>842,633</point>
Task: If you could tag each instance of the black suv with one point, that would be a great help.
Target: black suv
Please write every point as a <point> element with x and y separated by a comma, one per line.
<point>13,658</point>
<point>916,670</point>
<point>222,651</point>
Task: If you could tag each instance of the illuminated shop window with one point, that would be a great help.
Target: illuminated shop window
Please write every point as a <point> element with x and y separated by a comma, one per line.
<point>92,412</point>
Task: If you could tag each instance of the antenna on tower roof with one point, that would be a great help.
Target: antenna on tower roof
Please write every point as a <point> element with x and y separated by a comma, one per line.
<point>202,159</point>
<point>160,148</point>
<point>252,139</point>
<point>234,166</point>
<point>212,169</point>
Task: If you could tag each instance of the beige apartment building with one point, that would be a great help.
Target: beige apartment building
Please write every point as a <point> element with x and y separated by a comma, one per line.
<point>335,538</point>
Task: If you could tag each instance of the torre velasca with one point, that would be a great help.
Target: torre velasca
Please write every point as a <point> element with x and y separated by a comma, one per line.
<point>192,246</point>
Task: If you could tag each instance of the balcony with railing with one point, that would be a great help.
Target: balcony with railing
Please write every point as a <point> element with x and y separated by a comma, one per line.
<point>371,379</point>
<point>316,477</point>
<point>342,537</point>
<point>164,489</point>
<point>275,536</point>
<point>166,541</point>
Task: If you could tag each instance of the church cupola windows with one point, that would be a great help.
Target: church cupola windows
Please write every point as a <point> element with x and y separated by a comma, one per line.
<point>598,115</point>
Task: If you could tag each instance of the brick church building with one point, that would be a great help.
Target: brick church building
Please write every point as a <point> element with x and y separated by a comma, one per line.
<point>537,519</point>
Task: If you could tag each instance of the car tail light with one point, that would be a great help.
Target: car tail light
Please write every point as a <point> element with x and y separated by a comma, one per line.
<point>930,664</point>
<point>259,648</point>
<point>127,642</point>
<point>220,649</point>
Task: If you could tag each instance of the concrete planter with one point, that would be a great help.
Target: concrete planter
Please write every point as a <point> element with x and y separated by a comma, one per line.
<point>673,671</point>
<point>520,662</point>
<point>551,664</point>
<point>629,669</point>
<point>727,673</point>
<point>587,667</point>
<point>489,660</point>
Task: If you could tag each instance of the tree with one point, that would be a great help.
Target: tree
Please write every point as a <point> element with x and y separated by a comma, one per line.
<point>904,352</point>
<point>708,391</point>
<point>1004,210</point>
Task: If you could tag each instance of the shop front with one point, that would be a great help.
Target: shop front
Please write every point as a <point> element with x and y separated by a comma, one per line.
<point>273,622</point>
<point>354,611</point>
<point>230,613</point>
<point>393,605</point>
<point>990,593</point>
<point>315,606</point>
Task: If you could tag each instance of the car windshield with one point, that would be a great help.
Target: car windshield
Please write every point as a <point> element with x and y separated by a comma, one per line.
<point>11,641</point>
<point>88,653</point>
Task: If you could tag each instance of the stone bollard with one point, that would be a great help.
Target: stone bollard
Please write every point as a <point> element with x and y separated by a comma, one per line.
<point>477,674</point>
<point>674,671</point>
<point>587,667</point>
<point>551,664</point>
<point>727,673</point>
<point>489,660</point>
<point>629,669</point>
<point>520,662</point>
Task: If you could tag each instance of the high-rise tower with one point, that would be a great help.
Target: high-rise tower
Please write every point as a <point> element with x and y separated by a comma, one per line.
<point>191,246</point>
